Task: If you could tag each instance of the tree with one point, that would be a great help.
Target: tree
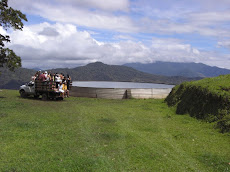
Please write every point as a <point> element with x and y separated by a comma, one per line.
<point>9,18</point>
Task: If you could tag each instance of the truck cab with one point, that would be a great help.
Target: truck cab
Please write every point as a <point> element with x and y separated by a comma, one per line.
<point>27,89</point>
<point>46,89</point>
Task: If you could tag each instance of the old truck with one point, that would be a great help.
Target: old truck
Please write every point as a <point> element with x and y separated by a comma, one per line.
<point>46,89</point>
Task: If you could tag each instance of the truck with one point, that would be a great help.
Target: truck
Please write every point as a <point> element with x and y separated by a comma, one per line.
<point>46,89</point>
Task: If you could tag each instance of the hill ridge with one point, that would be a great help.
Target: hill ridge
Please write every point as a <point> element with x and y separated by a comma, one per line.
<point>179,69</point>
<point>97,71</point>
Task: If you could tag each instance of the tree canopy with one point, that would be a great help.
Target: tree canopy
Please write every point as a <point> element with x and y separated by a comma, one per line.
<point>9,18</point>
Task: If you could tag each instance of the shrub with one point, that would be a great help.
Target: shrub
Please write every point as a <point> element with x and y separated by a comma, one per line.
<point>207,99</point>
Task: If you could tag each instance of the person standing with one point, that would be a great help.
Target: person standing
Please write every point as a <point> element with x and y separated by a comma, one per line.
<point>42,77</point>
<point>68,84</point>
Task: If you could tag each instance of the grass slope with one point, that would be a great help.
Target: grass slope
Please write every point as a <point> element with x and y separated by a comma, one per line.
<point>81,134</point>
<point>207,99</point>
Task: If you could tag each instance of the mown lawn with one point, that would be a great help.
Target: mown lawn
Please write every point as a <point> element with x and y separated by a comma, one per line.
<point>81,134</point>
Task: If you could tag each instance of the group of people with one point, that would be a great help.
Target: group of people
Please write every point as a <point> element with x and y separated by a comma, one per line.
<point>62,82</point>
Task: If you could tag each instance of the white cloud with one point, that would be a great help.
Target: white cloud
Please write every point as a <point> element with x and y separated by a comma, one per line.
<point>87,18</point>
<point>123,37</point>
<point>198,16</point>
<point>108,5</point>
<point>165,26</point>
<point>225,44</point>
<point>61,44</point>
<point>71,47</point>
<point>207,18</point>
<point>81,13</point>
<point>167,49</point>
<point>49,31</point>
<point>2,31</point>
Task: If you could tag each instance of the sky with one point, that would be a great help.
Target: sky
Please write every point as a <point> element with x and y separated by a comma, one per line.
<point>71,33</point>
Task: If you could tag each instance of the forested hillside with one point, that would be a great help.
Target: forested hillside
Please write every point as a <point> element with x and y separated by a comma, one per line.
<point>91,72</point>
<point>179,69</point>
<point>103,72</point>
<point>12,80</point>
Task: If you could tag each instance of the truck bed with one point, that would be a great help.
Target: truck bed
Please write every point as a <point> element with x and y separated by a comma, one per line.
<point>45,86</point>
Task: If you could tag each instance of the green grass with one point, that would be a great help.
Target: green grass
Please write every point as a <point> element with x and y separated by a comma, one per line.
<point>207,99</point>
<point>217,85</point>
<point>81,134</point>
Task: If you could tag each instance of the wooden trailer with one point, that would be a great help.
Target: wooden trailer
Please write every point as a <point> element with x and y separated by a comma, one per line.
<point>47,89</point>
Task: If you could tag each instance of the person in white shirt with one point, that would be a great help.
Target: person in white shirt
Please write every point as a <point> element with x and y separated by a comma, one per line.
<point>57,79</point>
<point>60,88</point>
<point>46,75</point>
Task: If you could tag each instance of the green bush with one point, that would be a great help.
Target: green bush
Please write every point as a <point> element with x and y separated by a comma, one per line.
<point>207,99</point>
<point>224,124</point>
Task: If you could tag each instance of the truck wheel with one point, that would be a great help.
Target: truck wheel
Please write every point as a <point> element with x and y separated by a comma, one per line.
<point>44,97</point>
<point>36,96</point>
<point>59,98</point>
<point>23,94</point>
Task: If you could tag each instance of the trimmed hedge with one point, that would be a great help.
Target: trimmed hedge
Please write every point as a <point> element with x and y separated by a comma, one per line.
<point>207,99</point>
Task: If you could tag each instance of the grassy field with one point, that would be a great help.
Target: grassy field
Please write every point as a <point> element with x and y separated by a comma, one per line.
<point>207,99</point>
<point>81,134</point>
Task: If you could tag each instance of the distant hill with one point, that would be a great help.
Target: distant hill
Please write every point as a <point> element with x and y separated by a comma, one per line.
<point>179,69</point>
<point>91,72</point>
<point>12,80</point>
<point>102,72</point>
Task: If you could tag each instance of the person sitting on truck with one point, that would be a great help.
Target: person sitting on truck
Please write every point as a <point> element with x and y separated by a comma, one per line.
<point>38,73</point>
<point>60,88</point>
<point>35,76</point>
<point>57,79</point>
<point>61,76</point>
<point>50,76</point>
<point>47,76</point>
<point>46,73</point>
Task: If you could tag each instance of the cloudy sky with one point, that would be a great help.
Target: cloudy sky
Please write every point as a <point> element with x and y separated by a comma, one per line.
<point>69,33</point>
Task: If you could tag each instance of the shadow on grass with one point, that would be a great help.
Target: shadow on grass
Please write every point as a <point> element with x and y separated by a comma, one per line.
<point>2,97</point>
<point>219,163</point>
<point>38,99</point>
<point>107,120</point>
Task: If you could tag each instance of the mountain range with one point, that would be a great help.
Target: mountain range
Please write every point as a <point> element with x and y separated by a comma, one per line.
<point>91,72</point>
<point>179,69</point>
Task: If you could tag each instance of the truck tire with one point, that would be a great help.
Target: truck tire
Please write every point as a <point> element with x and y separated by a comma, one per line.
<point>59,98</point>
<point>36,96</point>
<point>23,93</point>
<point>44,97</point>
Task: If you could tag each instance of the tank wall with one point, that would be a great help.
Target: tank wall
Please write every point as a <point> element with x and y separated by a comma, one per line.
<point>119,93</point>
